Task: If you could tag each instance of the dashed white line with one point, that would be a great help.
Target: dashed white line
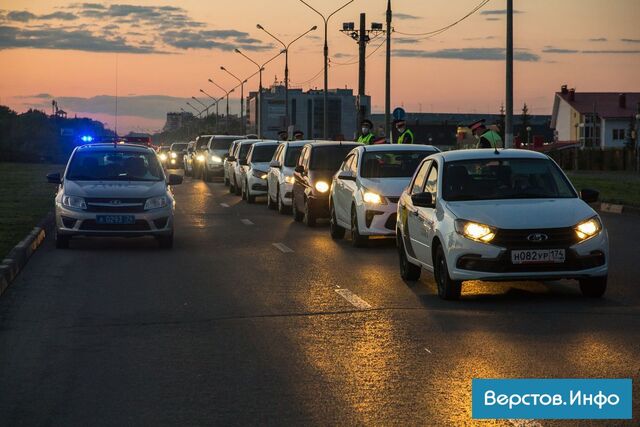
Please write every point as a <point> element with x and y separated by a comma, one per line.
<point>354,299</point>
<point>224,205</point>
<point>282,247</point>
<point>246,221</point>
<point>427,350</point>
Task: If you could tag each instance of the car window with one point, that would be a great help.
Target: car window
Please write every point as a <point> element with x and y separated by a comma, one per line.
<point>178,146</point>
<point>262,153</point>
<point>244,151</point>
<point>346,165</point>
<point>329,157</point>
<point>431,185</point>
<point>221,143</point>
<point>391,164</point>
<point>353,166</point>
<point>418,181</point>
<point>114,166</point>
<point>292,155</point>
<point>202,142</point>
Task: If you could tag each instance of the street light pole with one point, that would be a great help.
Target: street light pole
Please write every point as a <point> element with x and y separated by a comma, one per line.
<point>203,104</point>
<point>242,82</point>
<point>508,122</point>
<point>387,87</point>
<point>216,104</point>
<point>226,93</point>
<point>326,63</point>
<point>196,110</point>
<point>286,65</point>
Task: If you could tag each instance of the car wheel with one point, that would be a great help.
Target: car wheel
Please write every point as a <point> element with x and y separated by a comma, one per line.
<point>357,239</point>
<point>166,242</point>
<point>448,289</point>
<point>282,208</point>
<point>337,232</point>
<point>593,287</point>
<point>270,203</point>
<point>408,271</point>
<point>309,217</point>
<point>62,241</point>
<point>297,215</point>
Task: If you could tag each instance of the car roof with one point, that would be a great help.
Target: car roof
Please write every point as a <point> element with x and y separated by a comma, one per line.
<point>295,143</point>
<point>400,147</point>
<point>317,143</point>
<point>247,141</point>
<point>262,142</point>
<point>114,147</point>
<point>489,153</point>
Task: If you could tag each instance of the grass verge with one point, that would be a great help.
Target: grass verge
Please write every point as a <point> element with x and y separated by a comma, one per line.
<point>614,187</point>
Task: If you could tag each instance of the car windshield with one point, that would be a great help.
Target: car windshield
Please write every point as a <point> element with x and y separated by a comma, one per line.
<point>202,142</point>
<point>222,143</point>
<point>292,156</point>
<point>178,146</point>
<point>491,179</point>
<point>244,150</point>
<point>329,157</point>
<point>391,164</point>
<point>263,153</point>
<point>163,149</point>
<point>114,166</point>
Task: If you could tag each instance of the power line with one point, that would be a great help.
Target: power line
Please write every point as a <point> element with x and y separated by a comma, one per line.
<point>443,29</point>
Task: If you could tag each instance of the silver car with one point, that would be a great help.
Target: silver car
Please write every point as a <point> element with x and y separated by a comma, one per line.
<point>114,190</point>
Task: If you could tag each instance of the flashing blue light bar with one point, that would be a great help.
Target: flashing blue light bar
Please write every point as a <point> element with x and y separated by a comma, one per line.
<point>86,138</point>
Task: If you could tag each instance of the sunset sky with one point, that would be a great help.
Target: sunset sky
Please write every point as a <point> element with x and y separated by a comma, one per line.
<point>166,50</point>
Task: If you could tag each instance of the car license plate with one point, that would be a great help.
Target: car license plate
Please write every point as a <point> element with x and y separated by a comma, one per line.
<point>115,219</point>
<point>537,256</point>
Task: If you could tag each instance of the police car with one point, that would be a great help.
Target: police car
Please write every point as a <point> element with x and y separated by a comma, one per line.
<point>499,215</point>
<point>114,189</point>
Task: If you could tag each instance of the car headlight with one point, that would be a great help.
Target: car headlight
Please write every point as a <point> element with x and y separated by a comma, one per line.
<point>475,231</point>
<point>174,155</point>
<point>589,228</point>
<point>216,159</point>
<point>373,198</point>
<point>156,203</point>
<point>74,202</point>
<point>200,158</point>
<point>289,179</point>
<point>259,174</point>
<point>322,186</point>
<point>163,157</point>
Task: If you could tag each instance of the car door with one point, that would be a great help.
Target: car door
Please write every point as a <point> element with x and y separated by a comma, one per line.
<point>415,233</point>
<point>299,183</point>
<point>427,216</point>
<point>341,193</point>
<point>274,173</point>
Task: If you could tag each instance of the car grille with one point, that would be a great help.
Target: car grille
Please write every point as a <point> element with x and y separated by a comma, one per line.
<point>92,225</point>
<point>115,205</point>
<point>518,239</point>
<point>502,264</point>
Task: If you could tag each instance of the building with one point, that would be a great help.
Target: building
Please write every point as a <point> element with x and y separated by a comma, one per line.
<point>594,119</point>
<point>306,110</point>
<point>176,120</point>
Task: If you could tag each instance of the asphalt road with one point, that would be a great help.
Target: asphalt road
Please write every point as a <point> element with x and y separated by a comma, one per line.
<point>228,328</point>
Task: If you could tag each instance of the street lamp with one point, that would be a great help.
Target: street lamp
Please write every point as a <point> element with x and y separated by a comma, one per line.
<point>242,82</point>
<point>203,104</point>
<point>638,139</point>
<point>326,61</point>
<point>259,103</point>
<point>226,93</point>
<point>215,101</point>
<point>196,110</point>
<point>286,64</point>
<point>528,135</point>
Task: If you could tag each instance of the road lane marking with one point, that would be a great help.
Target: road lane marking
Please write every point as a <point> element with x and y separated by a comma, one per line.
<point>224,205</point>
<point>354,299</point>
<point>282,247</point>
<point>246,221</point>
<point>428,351</point>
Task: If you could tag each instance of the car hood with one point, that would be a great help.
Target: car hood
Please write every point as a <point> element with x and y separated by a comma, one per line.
<point>261,166</point>
<point>523,213</point>
<point>129,189</point>
<point>390,187</point>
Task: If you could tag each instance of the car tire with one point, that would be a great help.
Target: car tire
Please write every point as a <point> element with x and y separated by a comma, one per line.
<point>282,208</point>
<point>166,242</point>
<point>62,241</point>
<point>297,215</point>
<point>309,218</point>
<point>409,272</point>
<point>357,239</point>
<point>448,289</point>
<point>593,287</point>
<point>337,232</point>
<point>270,203</point>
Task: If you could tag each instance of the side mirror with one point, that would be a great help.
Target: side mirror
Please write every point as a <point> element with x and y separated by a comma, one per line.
<point>243,162</point>
<point>422,200</point>
<point>347,176</point>
<point>589,196</point>
<point>299,169</point>
<point>54,178</point>
<point>175,179</point>
<point>275,164</point>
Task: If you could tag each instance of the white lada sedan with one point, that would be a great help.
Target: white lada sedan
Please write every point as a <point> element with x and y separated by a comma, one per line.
<point>499,216</point>
<point>114,190</point>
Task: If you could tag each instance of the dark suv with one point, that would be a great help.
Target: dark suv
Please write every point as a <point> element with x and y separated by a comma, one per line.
<point>318,162</point>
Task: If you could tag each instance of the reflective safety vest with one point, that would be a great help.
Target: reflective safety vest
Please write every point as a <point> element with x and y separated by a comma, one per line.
<point>366,139</point>
<point>401,137</point>
<point>492,138</point>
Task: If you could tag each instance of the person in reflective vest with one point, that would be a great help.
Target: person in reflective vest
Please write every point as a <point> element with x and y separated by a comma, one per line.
<point>405,136</point>
<point>487,138</point>
<point>366,137</point>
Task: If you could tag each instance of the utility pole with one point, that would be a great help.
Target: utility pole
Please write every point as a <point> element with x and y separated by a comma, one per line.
<point>387,87</point>
<point>508,122</point>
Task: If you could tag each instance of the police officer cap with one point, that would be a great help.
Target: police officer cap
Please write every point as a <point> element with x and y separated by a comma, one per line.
<point>367,122</point>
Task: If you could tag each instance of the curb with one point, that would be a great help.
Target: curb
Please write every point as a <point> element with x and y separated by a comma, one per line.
<point>17,258</point>
<point>618,209</point>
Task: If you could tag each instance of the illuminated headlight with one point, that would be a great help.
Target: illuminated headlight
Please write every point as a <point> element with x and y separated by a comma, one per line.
<point>156,203</point>
<point>373,198</point>
<point>322,186</point>
<point>289,179</point>
<point>174,155</point>
<point>589,228</point>
<point>74,202</point>
<point>163,157</point>
<point>259,174</point>
<point>200,158</point>
<point>475,231</point>
<point>216,159</point>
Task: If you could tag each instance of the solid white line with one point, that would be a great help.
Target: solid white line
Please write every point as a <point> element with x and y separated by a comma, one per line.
<point>224,205</point>
<point>354,299</point>
<point>428,351</point>
<point>282,247</point>
<point>246,221</point>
